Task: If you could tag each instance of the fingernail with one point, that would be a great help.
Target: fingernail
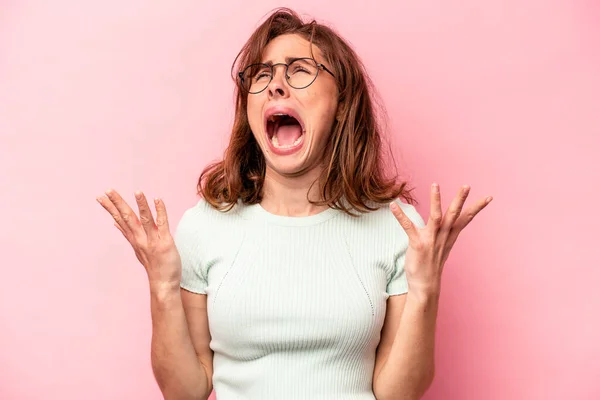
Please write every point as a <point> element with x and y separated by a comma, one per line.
<point>99,199</point>
<point>394,206</point>
<point>138,195</point>
<point>436,188</point>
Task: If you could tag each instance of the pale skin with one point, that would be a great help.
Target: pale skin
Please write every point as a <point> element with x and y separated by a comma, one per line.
<point>181,356</point>
<point>404,366</point>
<point>289,178</point>
<point>180,353</point>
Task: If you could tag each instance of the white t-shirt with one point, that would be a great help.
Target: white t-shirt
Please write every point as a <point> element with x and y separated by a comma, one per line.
<point>295,304</point>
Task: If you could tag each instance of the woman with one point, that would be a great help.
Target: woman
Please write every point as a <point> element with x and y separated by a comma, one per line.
<point>292,278</point>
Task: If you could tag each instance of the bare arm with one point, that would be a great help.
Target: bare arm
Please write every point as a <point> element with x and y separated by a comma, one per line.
<point>180,352</point>
<point>405,362</point>
<point>404,367</point>
<point>181,358</point>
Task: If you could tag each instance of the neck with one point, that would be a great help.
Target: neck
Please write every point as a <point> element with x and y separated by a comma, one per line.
<point>287,196</point>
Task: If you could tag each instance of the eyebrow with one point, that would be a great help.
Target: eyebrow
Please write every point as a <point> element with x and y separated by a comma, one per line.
<point>287,60</point>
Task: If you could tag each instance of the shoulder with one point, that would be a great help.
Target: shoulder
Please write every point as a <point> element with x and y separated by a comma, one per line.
<point>378,231</point>
<point>203,211</point>
<point>203,217</point>
<point>382,218</point>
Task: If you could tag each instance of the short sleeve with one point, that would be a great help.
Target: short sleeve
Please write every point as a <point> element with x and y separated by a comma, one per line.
<point>398,284</point>
<point>188,242</point>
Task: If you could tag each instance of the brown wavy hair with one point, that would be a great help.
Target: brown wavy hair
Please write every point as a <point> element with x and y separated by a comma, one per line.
<point>355,177</point>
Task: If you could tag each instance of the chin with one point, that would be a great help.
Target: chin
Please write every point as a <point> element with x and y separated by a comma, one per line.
<point>290,166</point>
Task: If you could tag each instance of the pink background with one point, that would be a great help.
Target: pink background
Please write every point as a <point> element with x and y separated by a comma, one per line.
<point>504,96</point>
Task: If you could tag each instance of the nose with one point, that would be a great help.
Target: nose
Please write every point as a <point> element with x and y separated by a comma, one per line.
<point>278,87</point>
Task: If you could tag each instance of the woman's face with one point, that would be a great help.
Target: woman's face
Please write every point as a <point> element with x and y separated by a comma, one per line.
<point>293,146</point>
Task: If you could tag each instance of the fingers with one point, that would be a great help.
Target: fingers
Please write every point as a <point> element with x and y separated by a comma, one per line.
<point>127,214</point>
<point>162,222</point>
<point>465,218</point>
<point>107,202</point>
<point>127,221</point>
<point>405,222</point>
<point>435,212</point>
<point>145,214</point>
<point>455,208</point>
<point>120,230</point>
<point>471,212</point>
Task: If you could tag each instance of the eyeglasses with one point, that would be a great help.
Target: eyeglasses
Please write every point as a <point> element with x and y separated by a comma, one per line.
<point>299,74</point>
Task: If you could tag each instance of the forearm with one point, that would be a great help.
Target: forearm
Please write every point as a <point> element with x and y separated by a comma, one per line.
<point>409,368</point>
<point>176,367</point>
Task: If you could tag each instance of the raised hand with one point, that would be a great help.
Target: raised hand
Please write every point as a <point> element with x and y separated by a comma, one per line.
<point>151,241</point>
<point>430,246</point>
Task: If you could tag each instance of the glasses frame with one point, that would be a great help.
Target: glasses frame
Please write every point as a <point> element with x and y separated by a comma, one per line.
<point>320,66</point>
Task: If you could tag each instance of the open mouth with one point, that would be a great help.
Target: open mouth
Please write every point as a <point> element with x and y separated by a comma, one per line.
<point>284,131</point>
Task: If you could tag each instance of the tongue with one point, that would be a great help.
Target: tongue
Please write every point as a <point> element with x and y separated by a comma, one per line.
<point>287,134</point>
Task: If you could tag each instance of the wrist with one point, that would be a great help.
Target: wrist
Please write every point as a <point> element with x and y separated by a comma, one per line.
<point>424,294</point>
<point>164,290</point>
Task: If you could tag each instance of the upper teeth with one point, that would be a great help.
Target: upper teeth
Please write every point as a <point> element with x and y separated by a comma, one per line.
<point>272,117</point>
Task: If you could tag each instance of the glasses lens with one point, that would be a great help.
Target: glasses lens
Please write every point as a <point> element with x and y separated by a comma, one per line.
<point>302,73</point>
<point>256,77</point>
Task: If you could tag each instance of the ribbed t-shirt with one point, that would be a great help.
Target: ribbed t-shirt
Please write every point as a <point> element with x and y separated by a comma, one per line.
<point>295,304</point>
